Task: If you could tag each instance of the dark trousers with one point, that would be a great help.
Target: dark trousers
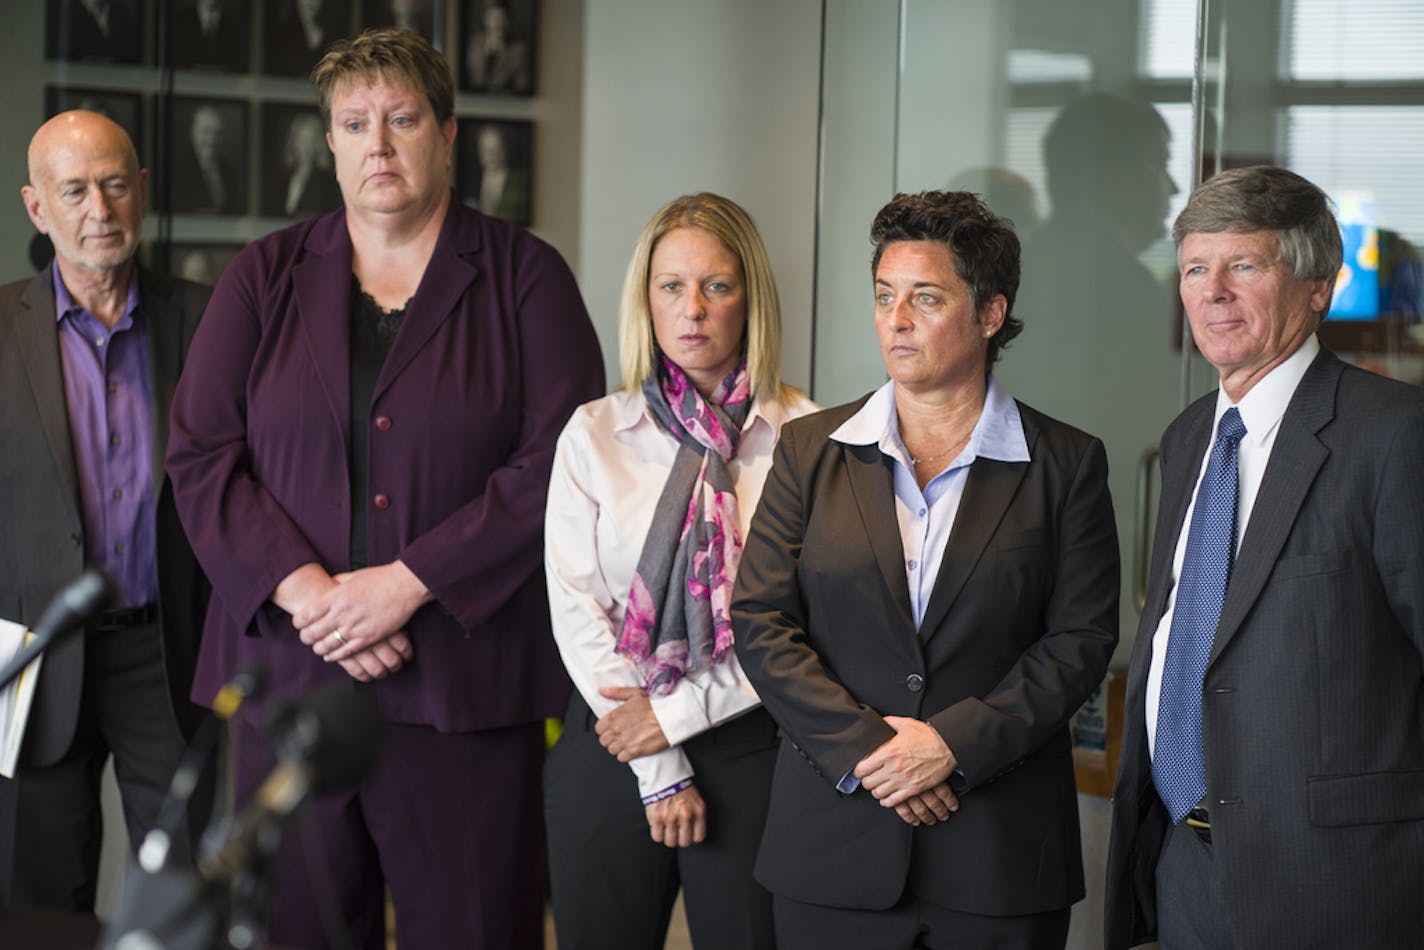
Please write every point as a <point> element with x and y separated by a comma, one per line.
<point>1191,913</point>
<point>915,923</point>
<point>52,814</point>
<point>614,887</point>
<point>452,823</point>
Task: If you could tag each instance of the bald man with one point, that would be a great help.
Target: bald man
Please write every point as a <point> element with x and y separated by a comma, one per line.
<point>90,351</point>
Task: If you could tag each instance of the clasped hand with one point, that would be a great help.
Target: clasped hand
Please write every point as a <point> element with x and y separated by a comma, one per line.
<point>629,731</point>
<point>369,608</point>
<point>910,772</point>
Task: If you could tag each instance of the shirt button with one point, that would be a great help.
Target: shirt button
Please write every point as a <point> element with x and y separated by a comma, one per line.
<point>914,682</point>
<point>115,439</point>
<point>98,341</point>
<point>383,423</point>
<point>118,549</point>
<point>382,501</point>
<point>118,493</point>
<point>922,512</point>
<point>914,564</point>
<point>113,388</point>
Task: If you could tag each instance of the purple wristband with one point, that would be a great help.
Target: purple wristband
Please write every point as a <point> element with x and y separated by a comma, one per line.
<point>668,792</point>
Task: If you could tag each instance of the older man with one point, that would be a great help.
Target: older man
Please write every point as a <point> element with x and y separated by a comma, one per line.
<point>89,354</point>
<point>1271,791</point>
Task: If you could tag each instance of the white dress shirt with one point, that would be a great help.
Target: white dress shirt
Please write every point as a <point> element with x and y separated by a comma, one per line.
<point>610,466</point>
<point>1261,410</point>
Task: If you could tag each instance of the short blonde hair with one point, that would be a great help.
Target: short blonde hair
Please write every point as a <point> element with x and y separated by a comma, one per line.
<point>725,220</point>
<point>386,53</point>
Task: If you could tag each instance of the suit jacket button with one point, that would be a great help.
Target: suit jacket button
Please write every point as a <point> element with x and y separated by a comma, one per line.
<point>383,423</point>
<point>914,682</point>
<point>382,501</point>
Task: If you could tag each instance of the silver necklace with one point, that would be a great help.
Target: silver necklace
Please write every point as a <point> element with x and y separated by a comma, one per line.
<point>931,458</point>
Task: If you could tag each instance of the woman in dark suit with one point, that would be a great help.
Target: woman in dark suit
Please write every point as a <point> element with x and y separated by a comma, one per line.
<point>928,592</point>
<point>661,776</point>
<point>360,453</point>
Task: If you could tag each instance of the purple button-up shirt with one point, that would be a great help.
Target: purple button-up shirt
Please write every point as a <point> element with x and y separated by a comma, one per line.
<point>110,396</point>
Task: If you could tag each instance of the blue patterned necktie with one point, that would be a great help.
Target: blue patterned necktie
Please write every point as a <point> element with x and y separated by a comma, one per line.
<point>1177,766</point>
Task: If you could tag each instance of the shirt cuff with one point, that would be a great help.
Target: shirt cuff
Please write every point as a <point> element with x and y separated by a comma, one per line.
<point>680,713</point>
<point>660,770</point>
<point>848,783</point>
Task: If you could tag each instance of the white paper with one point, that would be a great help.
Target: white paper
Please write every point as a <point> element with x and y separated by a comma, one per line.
<point>15,699</point>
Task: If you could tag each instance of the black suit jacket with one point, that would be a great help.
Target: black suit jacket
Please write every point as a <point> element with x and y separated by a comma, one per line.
<point>1313,701</point>
<point>41,523</point>
<point>1017,632</point>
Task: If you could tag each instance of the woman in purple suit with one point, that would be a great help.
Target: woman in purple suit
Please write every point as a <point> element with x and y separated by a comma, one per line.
<point>361,451</point>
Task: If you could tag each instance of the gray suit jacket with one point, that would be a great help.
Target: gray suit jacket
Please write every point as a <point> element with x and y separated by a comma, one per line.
<point>1017,632</point>
<point>41,524</point>
<point>1313,702</point>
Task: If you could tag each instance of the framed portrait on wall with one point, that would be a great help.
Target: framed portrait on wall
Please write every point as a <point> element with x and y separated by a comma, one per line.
<point>209,160</point>
<point>494,167</point>
<point>125,108</point>
<point>298,175</point>
<point>418,15</point>
<point>94,31</point>
<point>298,32</point>
<point>201,262</point>
<point>213,35</point>
<point>498,46</point>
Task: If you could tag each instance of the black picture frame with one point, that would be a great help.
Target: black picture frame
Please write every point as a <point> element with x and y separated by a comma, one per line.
<point>514,198</point>
<point>488,64</point>
<point>298,173</point>
<point>208,160</point>
<point>224,45</point>
<point>292,43</point>
<point>418,15</point>
<point>76,33</point>
<point>125,108</point>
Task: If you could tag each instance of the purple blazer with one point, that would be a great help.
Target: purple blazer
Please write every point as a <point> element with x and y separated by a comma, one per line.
<point>495,352</point>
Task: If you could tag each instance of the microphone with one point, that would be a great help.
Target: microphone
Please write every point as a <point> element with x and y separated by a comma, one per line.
<point>76,603</point>
<point>153,852</point>
<point>325,741</point>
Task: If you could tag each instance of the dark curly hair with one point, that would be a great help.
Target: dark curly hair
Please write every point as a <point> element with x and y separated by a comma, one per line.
<point>984,246</point>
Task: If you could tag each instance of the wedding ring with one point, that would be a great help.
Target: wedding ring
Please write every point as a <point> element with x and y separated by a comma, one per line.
<point>339,638</point>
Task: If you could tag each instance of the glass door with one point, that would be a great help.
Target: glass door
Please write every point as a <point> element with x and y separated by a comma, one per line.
<point>1087,124</point>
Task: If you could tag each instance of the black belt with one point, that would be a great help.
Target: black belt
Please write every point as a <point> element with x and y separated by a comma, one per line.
<point>1199,821</point>
<point>121,618</point>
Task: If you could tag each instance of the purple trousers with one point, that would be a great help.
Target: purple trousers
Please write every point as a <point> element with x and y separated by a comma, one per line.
<point>451,823</point>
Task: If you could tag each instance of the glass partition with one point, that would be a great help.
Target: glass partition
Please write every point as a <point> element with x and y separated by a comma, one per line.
<point>1077,121</point>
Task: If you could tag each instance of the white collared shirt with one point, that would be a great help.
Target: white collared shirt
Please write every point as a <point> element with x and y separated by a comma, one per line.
<point>927,517</point>
<point>1262,409</point>
<point>610,466</point>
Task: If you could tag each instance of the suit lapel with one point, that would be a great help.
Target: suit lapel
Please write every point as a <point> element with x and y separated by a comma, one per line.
<point>1296,457</point>
<point>322,282</point>
<point>988,491</point>
<point>446,278</point>
<point>37,336</point>
<point>871,484</point>
<point>1186,448</point>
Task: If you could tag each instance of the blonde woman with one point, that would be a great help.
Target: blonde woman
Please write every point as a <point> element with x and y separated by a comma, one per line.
<point>660,779</point>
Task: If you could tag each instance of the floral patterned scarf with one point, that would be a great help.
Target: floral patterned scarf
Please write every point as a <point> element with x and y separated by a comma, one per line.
<point>678,617</point>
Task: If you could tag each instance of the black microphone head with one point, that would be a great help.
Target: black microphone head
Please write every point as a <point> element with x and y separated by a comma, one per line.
<point>335,730</point>
<point>75,604</point>
<point>89,594</point>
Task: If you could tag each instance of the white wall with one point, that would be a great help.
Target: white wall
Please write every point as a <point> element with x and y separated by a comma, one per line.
<point>686,95</point>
